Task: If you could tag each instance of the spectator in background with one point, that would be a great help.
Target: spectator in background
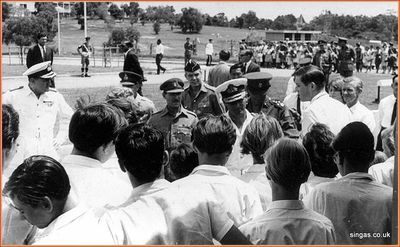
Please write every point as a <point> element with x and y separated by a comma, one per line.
<point>188,50</point>
<point>220,72</point>
<point>249,66</point>
<point>323,168</point>
<point>236,71</point>
<point>378,58</point>
<point>351,91</point>
<point>183,159</point>
<point>132,64</point>
<point>387,111</point>
<point>209,52</point>
<point>287,220</point>
<point>355,203</point>
<point>85,50</point>
<point>335,87</point>
<point>359,57</point>
<point>159,56</point>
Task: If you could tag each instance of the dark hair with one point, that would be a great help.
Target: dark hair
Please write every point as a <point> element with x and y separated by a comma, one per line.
<point>214,135</point>
<point>288,163</point>
<point>318,145</point>
<point>394,78</point>
<point>95,125</point>
<point>355,143</point>
<point>237,66</point>
<point>126,107</point>
<point>10,126</point>
<point>183,159</point>
<point>224,55</point>
<point>41,35</point>
<point>261,133</point>
<point>38,176</point>
<point>159,41</point>
<point>311,73</point>
<point>140,149</point>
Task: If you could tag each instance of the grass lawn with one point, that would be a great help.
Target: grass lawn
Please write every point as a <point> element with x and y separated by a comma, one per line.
<point>72,37</point>
<point>277,91</point>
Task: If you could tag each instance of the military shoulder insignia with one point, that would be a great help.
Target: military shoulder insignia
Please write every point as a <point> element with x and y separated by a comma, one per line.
<point>15,89</point>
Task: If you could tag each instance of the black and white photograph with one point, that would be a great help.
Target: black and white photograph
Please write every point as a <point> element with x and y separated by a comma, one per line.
<point>199,123</point>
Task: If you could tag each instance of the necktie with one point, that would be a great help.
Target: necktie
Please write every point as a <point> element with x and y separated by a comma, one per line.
<point>43,51</point>
<point>394,113</point>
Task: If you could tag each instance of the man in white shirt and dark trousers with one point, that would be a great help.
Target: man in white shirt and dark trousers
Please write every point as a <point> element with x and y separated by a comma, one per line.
<point>209,52</point>
<point>387,111</point>
<point>159,56</point>
<point>310,81</point>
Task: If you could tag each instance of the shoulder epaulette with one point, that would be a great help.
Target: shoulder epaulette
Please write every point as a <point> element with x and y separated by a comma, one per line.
<point>191,113</point>
<point>15,89</point>
<point>277,103</point>
<point>209,87</point>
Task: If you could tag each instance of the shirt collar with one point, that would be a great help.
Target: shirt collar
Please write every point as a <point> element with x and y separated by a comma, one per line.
<point>319,95</point>
<point>219,170</point>
<point>181,111</point>
<point>286,204</point>
<point>80,160</point>
<point>149,188</point>
<point>358,175</point>
<point>355,106</point>
<point>256,168</point>
<point>63,220</point>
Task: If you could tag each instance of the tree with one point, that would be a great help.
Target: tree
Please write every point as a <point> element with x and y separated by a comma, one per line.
<point>48,13</point>
<point>118,35</point>
<point>116,12</point>
<point>90,8</point>
<point>6,9</point>
<point>250,19</point>
<point>219,20</point>
<point>160,14</point>
<point>23,31</point>
<point>132,10</point>
<point>284,22</point>
<point>132,33</point>
<point>191,20</point>
<point>156,27</point>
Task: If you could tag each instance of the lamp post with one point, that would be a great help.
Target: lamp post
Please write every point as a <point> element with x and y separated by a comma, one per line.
<point>85,18</point>
<point>58,8</point>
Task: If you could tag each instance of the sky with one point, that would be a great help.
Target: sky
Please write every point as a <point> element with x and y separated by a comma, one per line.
<point>270,10</point>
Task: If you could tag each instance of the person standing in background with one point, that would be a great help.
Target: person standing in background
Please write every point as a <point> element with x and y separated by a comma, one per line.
<point>159,56</point>
<point>85,50</point>
<point>209,52</point>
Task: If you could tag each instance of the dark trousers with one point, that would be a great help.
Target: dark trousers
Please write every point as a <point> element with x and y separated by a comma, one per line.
<point>209,60</point>
<point>158,62</point>
<point>52,83</point>
<point>187,58</point>
<point>379,140</point>
<point>359,65</point>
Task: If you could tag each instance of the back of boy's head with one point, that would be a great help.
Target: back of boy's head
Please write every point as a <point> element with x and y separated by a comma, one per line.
<point>214,135</point>
<point>140,149</point>
<point>183,159</point>
<point>94,126</point>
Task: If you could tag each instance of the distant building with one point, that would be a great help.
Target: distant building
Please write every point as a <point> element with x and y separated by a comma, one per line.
<point>291,35</point>
<point>21,9</point>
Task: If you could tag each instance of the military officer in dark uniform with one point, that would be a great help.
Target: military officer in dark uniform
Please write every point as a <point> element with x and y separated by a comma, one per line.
<point>346,56</point>
<point>323,60</point>
<point>199,97</point>
<point>258,84</point>
<point>85,50</point>
<point>131,63</point>
<point>174,121</point>
<point>188,50</point>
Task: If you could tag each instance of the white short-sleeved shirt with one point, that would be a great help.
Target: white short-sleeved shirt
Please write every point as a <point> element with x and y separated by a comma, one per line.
<point>237,161</point>
<point>147,189</point>
<point>255,176</point>
<point>240,200</point>
<point>37,119</point>
<point>160,49</point>
<point>383,172</point>
<point>173,215</point>
<point>362,114</point>
<point>385,109</point>
<point>354,203</point>
<point>326,110</point>
<point>288,222</point>
<point>78,226</point>
<point>209,49</point>
<point>94,184</point>
<point>291,86</point>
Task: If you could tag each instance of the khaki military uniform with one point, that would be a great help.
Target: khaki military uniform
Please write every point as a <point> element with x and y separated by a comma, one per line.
<point>176,129</point>
<point>280,112</point>
<point>204,103</point>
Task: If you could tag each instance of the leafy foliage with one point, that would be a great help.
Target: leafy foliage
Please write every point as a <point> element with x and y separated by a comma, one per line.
<point>191,20</point>
<point>156,27</point>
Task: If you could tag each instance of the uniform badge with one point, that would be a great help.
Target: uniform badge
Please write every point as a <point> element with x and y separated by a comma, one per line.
<point>260,85</point>
<point>126,77</point>
<point>49,103</point>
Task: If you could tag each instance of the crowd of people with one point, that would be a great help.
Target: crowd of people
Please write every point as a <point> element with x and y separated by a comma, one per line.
<point>287,54</point>
<point>221,163</point>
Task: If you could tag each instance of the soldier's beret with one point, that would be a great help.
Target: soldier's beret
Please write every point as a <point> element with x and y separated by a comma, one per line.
<point>321,42</point>
<point>390,43</point>
<point>87,37</point>
<point>129,78</point>
<point>342,39</point>
<point>42,70</point>
<point>192,66</point>
<point>173,85</point>
<point>258,81</point>
<point>232,90</point>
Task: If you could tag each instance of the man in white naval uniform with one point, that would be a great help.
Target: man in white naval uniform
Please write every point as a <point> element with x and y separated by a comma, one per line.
<point>39,107</point>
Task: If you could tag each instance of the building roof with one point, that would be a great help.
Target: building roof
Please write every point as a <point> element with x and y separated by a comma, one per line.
<point>292,31</point>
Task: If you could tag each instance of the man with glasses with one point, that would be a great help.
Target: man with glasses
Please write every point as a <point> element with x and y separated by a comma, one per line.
<point>199,97</point>
<point>249,66</point>
<point>174,121</point>
<point>39,107</point>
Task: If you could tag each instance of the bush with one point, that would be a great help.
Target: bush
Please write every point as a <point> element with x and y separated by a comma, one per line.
<point>156,27</point>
